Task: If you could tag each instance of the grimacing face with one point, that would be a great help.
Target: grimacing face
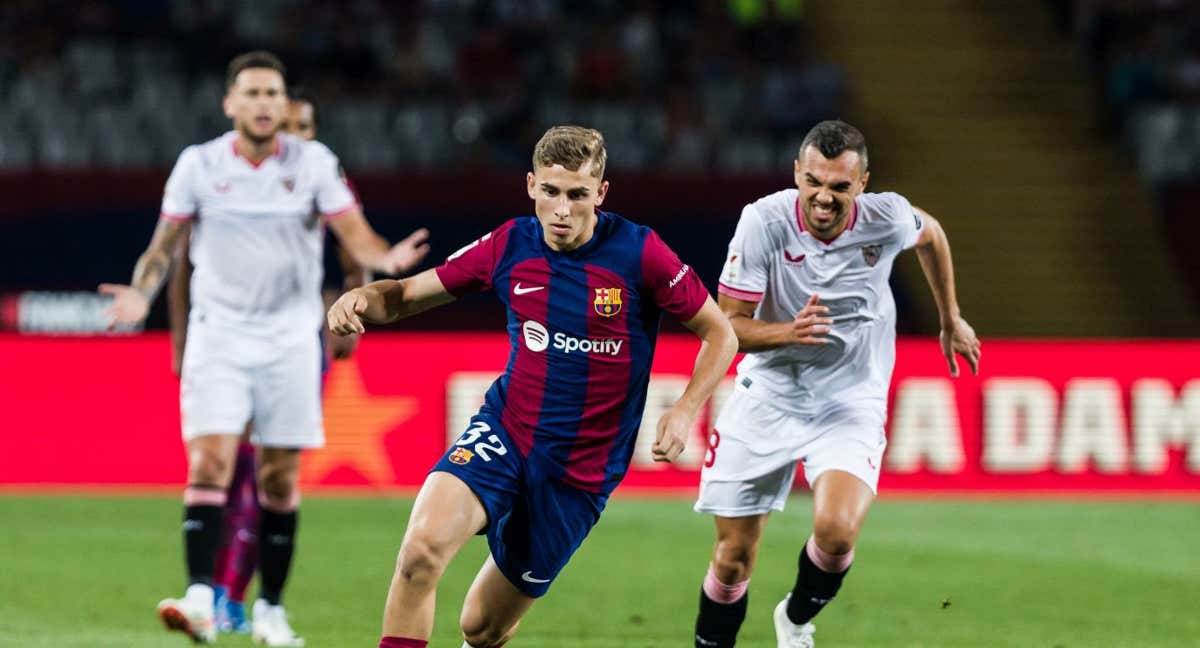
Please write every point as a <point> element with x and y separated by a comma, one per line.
<point>828,189</point>
<point>565,203</point>
<point>300,120</point>
<point>257,102</point>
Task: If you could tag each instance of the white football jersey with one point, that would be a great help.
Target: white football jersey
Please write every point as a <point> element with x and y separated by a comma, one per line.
<point>257,231</point>
<point>775,262</point>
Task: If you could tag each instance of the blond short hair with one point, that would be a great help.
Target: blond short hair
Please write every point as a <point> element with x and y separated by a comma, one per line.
<point>571,147</point>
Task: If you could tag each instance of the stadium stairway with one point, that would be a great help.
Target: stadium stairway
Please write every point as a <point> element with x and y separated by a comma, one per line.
<point>981,114</point>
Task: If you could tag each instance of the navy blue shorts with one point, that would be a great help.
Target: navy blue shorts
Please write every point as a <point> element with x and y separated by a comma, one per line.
<point>535,522</point>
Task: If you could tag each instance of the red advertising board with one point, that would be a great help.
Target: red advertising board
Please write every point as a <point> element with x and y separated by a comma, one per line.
<point>1043,416</point>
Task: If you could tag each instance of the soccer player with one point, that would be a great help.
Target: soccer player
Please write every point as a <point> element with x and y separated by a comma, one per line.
<point>584,291</point>
<point>237,555</point>
<point>256,199</point>
<point>805,285</point>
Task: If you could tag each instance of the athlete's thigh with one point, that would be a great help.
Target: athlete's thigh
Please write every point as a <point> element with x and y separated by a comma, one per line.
<point>851,440</point>
<point>215,389</point>
<point>493,601</point>
<point>446,513</point>
<point>752,437</point>
<point>287,397</point>
<point>548,521</point>
<point>751,459</point>
<point>841,501</point>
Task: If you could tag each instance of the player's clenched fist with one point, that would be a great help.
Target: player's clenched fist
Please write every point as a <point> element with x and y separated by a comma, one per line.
<point>810,323</point>
<point>672,434</point>
<point>344,316</point>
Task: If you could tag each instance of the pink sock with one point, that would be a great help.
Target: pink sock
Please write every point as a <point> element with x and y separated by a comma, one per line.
<point>827,562</point>
<point>241,569</point>
<point>238,558</point>
<point>402,642</point>
<point>719,592</point>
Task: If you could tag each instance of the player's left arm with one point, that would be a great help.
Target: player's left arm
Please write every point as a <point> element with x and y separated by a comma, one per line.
<point>957,337</point>
<point>386,301</point>
<point>718,346</point>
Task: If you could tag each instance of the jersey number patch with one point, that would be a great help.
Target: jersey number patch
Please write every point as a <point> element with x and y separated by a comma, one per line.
<point>482,448</point>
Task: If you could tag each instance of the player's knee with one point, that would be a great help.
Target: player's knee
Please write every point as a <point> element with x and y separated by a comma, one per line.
<point>732,558</point>
<point>835,532</point>
<point>206,467</point>
<point>479,632</point>
<point>420,563</point>
<point>277,485</point>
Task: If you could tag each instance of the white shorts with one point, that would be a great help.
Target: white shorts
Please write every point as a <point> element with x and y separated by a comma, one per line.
<point>230,378</point>
<point>753,452</point>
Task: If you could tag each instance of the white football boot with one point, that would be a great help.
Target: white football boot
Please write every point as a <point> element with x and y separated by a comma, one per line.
<point>271,626</point>
<point>788,634</point>
<point>191,615</point>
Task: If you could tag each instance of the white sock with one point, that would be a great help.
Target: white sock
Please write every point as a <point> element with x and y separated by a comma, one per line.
<point>199,594</point>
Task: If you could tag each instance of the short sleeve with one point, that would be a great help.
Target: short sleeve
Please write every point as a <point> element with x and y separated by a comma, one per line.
<point>333,195</point>
<point>673,284</point>
<point>180,201</point>
<point>470,269</point>
<point>748,261</point>
<point>908,221</point>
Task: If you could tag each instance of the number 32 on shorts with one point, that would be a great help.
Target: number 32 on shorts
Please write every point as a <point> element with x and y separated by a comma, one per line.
<point>482,448</point>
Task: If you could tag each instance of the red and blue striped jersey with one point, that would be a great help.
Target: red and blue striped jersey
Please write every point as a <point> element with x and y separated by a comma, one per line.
<point>582,325</point>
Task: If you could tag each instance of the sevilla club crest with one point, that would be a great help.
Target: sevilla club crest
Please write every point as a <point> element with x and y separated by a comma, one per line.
<point>871,254</point>
<point>289,184</point>
<point>608,301</point>
<point>461,456</point>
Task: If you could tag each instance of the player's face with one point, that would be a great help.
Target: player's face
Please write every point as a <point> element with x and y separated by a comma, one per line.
<point>565,203</point>
<point>300,120</point>
<point>256,103</point>
<point>828,189</point>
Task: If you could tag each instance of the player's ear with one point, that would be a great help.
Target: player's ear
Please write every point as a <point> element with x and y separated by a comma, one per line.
<point>227,106</point>
<point>601,192</point>
<point>796,171</point>
<point>531,185</point>
<point>865,176</point>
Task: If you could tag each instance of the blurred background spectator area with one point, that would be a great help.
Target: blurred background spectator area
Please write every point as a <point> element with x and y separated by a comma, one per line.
<point>1058,141</point>
<point>725,84</point>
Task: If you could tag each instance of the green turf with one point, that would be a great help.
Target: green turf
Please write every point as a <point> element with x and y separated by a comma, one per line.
<point>85,571</point>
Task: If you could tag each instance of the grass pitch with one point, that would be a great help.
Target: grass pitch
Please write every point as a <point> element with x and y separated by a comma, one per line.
<point>88,571</point>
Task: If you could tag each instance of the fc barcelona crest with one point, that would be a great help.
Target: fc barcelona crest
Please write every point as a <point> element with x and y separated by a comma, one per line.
<point>871,254</point>
<point>608,301</point>
<point>461,456</point>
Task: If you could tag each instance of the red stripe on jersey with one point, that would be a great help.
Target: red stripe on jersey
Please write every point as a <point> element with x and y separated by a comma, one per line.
<point>178,218</point>
<point>341,212</point>
<point>527,376</point>
<point>744,295</point>
<point>607,384</point>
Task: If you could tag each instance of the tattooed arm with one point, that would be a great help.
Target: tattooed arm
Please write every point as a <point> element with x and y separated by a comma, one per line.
<point>131,303</point>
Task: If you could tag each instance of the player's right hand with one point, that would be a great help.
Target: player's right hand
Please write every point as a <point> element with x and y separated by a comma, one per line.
<point>129,307</point>
<point>344,316</point>
<point>406,254</point>
<point>809,326</point>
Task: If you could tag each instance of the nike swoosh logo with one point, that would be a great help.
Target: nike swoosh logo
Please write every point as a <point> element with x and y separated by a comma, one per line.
<point>518,290</point>
<point>791,258</point>
<point>528,577</point>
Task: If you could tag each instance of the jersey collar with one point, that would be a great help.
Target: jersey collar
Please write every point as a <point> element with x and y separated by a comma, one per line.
<point>849,225</point>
